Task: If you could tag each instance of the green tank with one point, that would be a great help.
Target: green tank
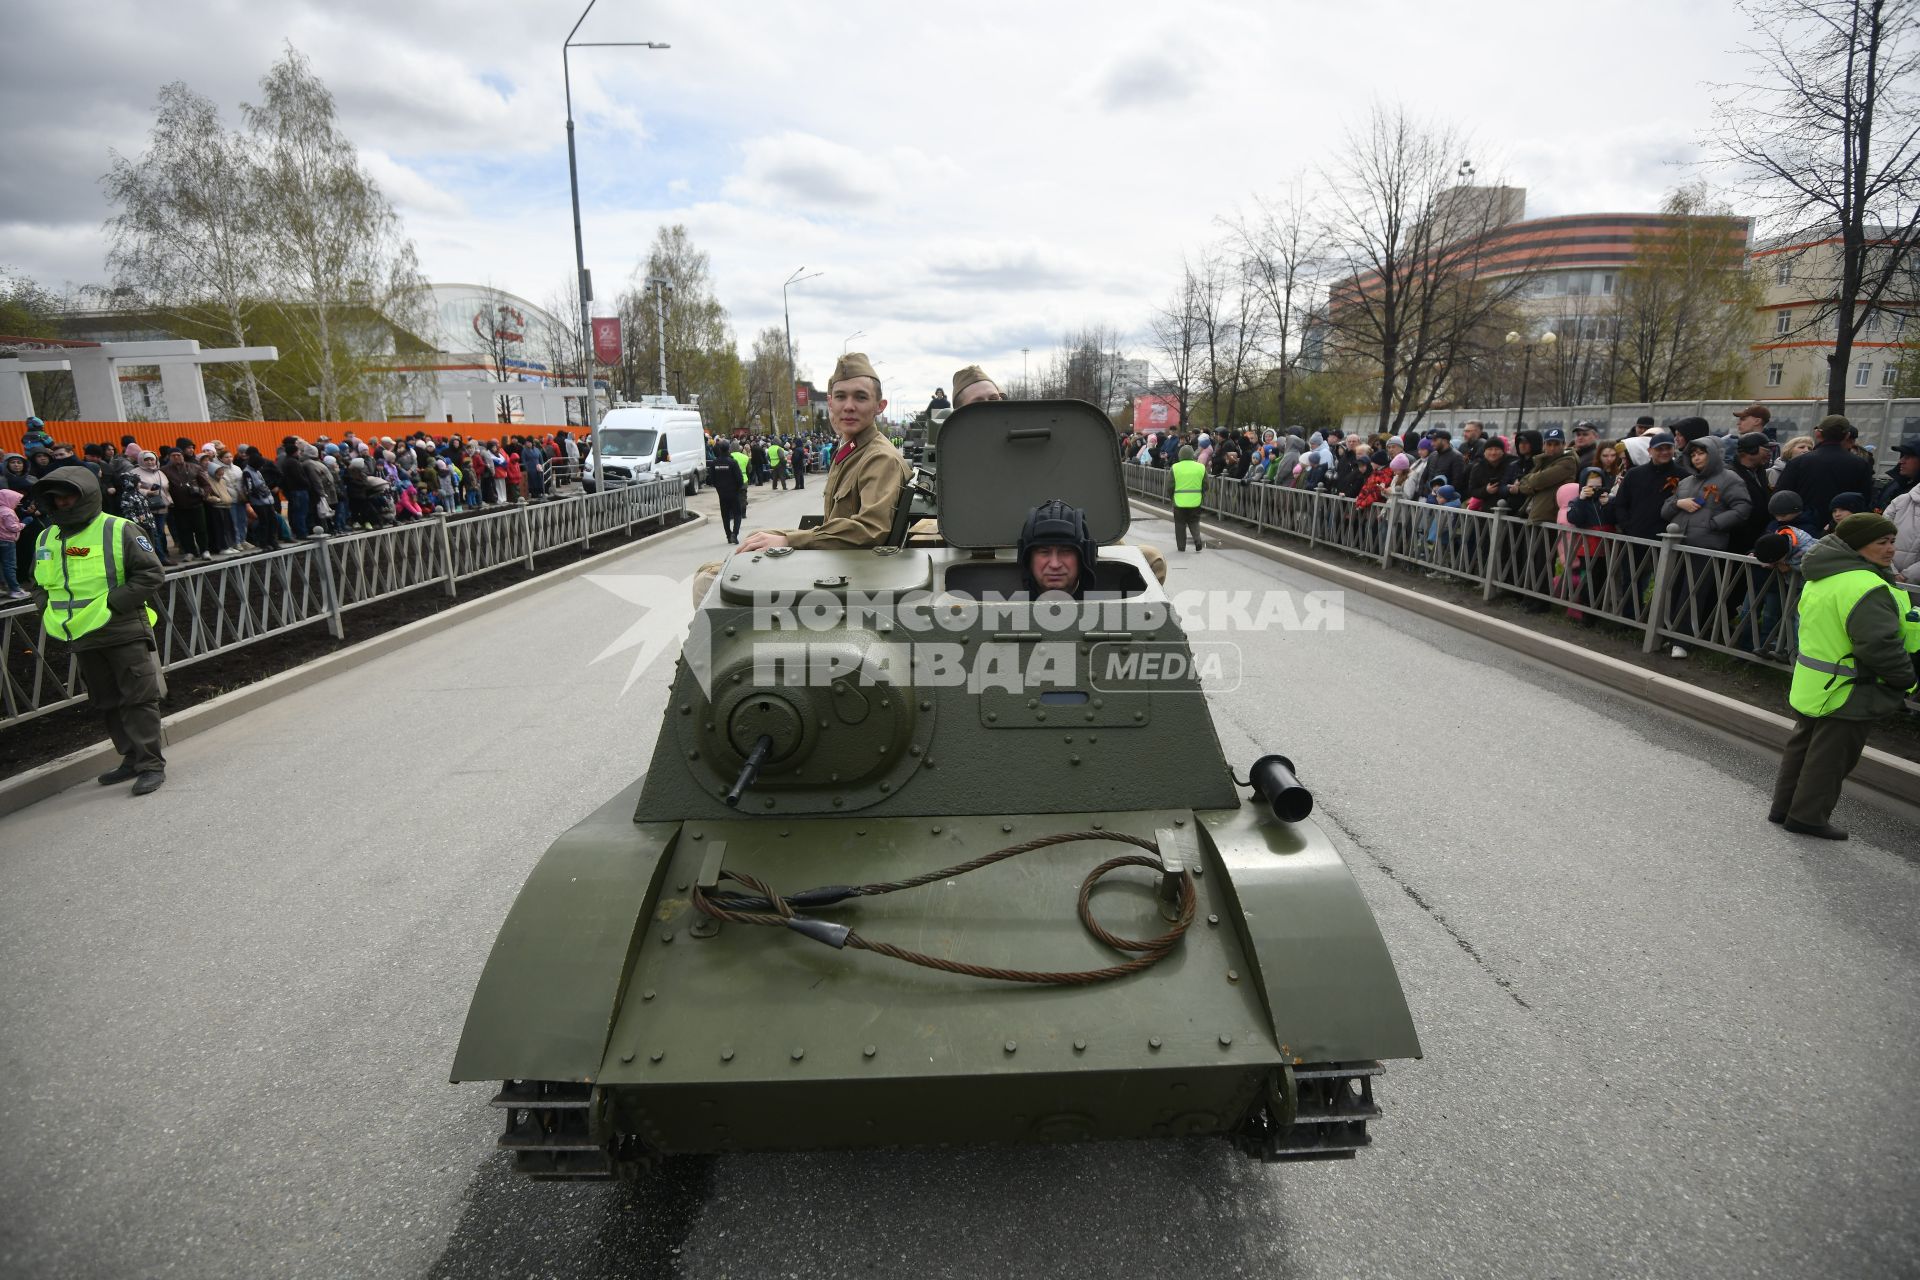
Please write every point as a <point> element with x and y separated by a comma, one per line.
<point>920,861</point>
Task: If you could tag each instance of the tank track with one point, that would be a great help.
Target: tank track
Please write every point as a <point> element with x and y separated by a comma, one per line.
<point>551,1130</point>
<point>1315,1111</point>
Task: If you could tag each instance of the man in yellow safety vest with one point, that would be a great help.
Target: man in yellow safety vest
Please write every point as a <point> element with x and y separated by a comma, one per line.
<point>1189,482</point>
<point>99,576</point>
<point>1852,668</point>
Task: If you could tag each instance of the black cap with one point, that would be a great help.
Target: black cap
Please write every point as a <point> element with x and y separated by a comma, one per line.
<point>1691,428</point>
<point>1553,435</point>
<point>1657,439</point>
<point>1644,420</point>
<point>1854,502</point>
<point>1587,424</point>
<point>1055,524</point>
<point>1771,548</point>
<point>1909,448</point>
<point>1752,442</point>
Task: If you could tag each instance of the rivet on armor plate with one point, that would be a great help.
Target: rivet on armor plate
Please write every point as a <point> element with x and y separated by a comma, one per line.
<point>1011,1045</point>
<point>1032,703</point>
<point>1039,715</point>
<point>1092,738</point>
<point>686,708</point>
<point>1089,717</point>
<point>726,1055</point>
<point>1079,1046</point>
<point>1153,1042</point>
<point>885,787</point>
<point>936,831</point>
<point>648,994</point>
<point>667,936</point>
<point>1073,759</point>
<point>783,833</point>
<point>1099,826</point>
<point>1179,822</point>
<point>693,755</point>
<point>626,1057</point>
<point>926,704</point>
<point>1233,975</point>
<point>1006,826</point>
<point>992,716</point>
<point>859,831</point>
<point>1213,919</point>
<point>913,750</point>
<point>799,1054</point>
<point>1069,739</point>
<point>656,1055</point>
<point>738,676</point>
<point>730,630</point>
<point>868,1052</point>
<point>699,835</point>
<point>682,886</point>
<point>838,801</point>
<point>1225,1040</point>
<point>769,802</point>
<point>1099,702</point>
<point>1139,715</point>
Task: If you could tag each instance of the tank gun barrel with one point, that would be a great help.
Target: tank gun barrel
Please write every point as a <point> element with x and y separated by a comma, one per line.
<point>750,770</point>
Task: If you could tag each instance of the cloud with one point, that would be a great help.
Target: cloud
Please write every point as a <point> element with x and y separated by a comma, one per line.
<point>1155,77</point>
<point>977,182</point>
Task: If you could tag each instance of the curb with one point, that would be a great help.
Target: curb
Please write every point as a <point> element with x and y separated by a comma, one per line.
<point>1889,777</point>
<point>49,779</point>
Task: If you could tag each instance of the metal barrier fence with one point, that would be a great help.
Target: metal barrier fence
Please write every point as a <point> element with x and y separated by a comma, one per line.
<point>212,609</point>
<point>1672,594</point>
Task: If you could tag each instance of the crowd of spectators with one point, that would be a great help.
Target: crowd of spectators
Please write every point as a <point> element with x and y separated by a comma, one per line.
<point>1741,490</point>
<point>200,500</point>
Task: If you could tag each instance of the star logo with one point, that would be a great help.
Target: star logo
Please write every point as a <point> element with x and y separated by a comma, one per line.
<point>668,618</point>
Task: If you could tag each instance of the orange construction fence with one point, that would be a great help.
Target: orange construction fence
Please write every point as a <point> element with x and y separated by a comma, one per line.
<point>265,436</point>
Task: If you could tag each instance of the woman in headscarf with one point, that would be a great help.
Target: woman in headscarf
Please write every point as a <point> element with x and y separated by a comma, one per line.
<point>151,483</point>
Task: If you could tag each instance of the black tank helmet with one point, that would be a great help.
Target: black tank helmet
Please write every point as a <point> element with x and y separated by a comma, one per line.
<point>1055,524</point>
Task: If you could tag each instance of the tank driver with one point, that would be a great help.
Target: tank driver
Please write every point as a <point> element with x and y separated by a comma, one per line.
<point>1056,551</point>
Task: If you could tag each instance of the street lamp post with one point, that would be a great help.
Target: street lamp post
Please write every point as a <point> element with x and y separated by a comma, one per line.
<point>849,338</point>
<point>579,246</point>
<point>661,287</point>
<point>1546,340</point>
<point>787,316</point>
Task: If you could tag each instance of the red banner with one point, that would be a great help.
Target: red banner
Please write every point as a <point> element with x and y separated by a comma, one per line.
<point>1156,413</point>
<point>800,392</point>
<point>606,339</point>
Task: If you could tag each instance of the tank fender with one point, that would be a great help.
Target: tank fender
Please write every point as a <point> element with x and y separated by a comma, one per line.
<point>552,986</point>
<point>1322,967</point>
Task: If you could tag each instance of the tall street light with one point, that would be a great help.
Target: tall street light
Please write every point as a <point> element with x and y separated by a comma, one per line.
<point>579,247</point>
<point>792,381</point>
<point>1545,340</point>
<point>850,337</point>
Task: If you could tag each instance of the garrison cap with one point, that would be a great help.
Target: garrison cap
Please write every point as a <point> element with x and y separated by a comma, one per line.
<point>967,377</point>
<point>854,364</point>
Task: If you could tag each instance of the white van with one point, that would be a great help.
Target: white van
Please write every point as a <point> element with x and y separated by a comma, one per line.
<point>657,437</point>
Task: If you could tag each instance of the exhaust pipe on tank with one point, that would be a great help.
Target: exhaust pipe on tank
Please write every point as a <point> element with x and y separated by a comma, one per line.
<point>1272,779</point>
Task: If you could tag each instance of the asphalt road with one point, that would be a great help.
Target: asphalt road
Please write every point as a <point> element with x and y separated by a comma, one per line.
<point>1663,1037</point>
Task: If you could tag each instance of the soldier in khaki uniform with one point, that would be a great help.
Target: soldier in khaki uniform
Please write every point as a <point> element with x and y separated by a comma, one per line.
<point>97,576</point>
<point>863,485</point>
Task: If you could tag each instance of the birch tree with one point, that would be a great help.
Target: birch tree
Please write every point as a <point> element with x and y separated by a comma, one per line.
<point>188,240</point>
<point>342,267</point>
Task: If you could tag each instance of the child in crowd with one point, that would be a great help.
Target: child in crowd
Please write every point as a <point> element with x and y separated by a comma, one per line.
<point>1764,625</point>
<point>10,530</point>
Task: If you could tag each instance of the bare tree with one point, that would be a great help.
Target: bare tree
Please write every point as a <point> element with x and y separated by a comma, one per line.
<point>1684,306</point>
<point>697,340</point>
<point>1177,339</point>
<point>1282,254</point>
<point>1826,130</point>
<point>189,238</point>
<point>558,337</point>
<point>1409,233</point>
<point>501,330</point>
<point>345,273</point>
<point>766,378</point>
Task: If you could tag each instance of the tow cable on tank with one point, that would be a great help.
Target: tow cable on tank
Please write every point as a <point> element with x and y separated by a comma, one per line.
<point>765,907</point>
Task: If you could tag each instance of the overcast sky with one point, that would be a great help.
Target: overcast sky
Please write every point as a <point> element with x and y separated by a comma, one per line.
<point>972,178</point>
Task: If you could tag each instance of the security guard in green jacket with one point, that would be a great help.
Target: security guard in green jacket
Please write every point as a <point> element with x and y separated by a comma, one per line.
<point>777,459</point>
<point>1189,483</point>
<point>100,575</point>
<point>744,460</point>
<point>1852,668</point>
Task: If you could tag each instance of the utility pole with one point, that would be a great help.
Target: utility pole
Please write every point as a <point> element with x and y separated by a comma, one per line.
<point>660,286</point>
<point>793,381</point>
<point>579,247</point>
